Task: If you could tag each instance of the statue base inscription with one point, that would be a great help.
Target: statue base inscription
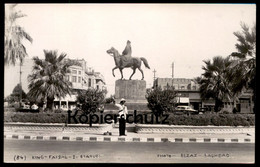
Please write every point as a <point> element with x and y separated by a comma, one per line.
<point>132,90</point>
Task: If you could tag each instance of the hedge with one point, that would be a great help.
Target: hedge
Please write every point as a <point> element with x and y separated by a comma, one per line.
<point>195,120</point>
<point>36,117</point>
<point>213,119</point>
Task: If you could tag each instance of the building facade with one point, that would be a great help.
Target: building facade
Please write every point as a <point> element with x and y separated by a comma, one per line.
<point>188,94</point>
<point>82,77</point>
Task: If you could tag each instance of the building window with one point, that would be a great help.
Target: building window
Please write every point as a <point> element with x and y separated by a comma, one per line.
<point>74,71</point>
<point>89,82</point>
<point>79,79</point>
<point>79,72</point>
<point>74,79</point>
<point>97,87</point>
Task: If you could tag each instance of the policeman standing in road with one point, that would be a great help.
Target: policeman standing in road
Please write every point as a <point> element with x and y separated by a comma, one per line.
<point>122,116</point>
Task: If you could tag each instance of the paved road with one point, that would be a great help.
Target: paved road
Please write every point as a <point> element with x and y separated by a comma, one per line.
<point>24,151</point>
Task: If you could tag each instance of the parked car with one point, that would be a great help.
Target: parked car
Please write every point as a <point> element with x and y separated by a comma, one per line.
<point>185,110</point>
<point>25,107</point>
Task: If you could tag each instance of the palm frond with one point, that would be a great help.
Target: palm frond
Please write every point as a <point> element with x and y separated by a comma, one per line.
<point>48,77</point>
<point>14,34</point>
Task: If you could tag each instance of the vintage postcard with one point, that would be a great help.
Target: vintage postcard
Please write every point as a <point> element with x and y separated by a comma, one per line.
<point>129,83</point>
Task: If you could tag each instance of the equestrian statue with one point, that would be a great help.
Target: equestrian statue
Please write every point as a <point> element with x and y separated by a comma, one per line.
<point>127,61</point>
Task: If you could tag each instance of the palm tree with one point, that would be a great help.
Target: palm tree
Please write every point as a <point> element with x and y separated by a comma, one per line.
<point>48,80</point>
<point>244,71</point>
<point>14,35</point>
<point>215,81</point>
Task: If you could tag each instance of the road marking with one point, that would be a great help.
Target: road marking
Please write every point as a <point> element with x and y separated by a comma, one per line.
<point>157,139</point>
<point>65,138</point>
<point>20,136</point>
<point>53,138</point>
<point>185,140</point>
<point>192,140</point>
<point>86,139</point>
<point>234,140</point>
<point>247,140</point>
<point>121,139</point>
<point>227,140</point>
<point>107,139</point>
<point>136,139</point>
<point>15,136</point>
<point>150,139</point>
<point>79,138</point>
<point>128,139</point>
<point>39,137</point>
<point>59,138</point>
<point>221,140</point>
<point>178,140</point>
<point>33,137</point>
<point>93,139</point>
<point>213,140</point>
<point>27,137</point>
<point>199,140</point>
<point>131,139</point>
<point>100,138</point>
<point>46,137</point>
<point>143,139</point>
<point>114,139</point>
<point>207,140</point>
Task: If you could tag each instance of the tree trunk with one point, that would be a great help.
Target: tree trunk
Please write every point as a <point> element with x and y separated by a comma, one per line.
<point>218,104</point>
<point>50,101</point>
<point>161,118</point>
<point>21,90</point>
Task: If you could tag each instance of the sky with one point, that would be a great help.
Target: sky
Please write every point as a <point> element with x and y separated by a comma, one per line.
<point>185,34</point>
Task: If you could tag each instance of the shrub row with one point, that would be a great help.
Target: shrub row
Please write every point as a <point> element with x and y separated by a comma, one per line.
<point>213,119</point>
<point>35,117</point>
<point>195,120</point>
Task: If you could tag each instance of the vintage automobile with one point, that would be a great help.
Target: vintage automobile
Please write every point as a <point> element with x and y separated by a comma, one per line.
<point>25,107</point>
<point>185,110</point>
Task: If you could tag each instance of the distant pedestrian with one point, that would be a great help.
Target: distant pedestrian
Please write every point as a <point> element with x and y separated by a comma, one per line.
<point>122,116</point>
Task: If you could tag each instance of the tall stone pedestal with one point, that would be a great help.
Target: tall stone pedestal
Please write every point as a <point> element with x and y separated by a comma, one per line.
<point>132,90</point>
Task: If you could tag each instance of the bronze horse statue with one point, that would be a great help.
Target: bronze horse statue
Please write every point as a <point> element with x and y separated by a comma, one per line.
<point>132,62</point>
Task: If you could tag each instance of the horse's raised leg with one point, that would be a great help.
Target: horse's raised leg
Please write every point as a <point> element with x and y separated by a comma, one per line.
<point>141,72</point>
<point>113,71</point>
<point>132,73</point>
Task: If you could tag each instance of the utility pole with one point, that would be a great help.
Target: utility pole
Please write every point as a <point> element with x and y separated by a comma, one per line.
<point>177,96</point>
<point>172,72</point>
<point>154,74</point>
<point>154,77</point>
<point>172,69</point>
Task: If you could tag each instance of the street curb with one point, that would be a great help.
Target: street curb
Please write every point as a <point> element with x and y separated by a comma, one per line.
<point>128,139</point>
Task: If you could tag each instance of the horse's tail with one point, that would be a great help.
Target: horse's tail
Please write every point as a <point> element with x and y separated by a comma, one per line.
<point>145,62</point>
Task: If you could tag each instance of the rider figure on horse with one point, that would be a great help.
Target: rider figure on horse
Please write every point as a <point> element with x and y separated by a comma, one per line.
<point>126,54</point>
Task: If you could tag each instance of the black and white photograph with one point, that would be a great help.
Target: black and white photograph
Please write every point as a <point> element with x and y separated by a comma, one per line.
<point>130,83</point>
